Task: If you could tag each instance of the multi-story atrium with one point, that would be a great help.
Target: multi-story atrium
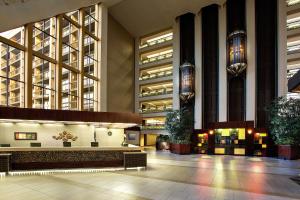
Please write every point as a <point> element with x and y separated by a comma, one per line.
<point>154,80</point>
<point>150,99</point>
<point>293,41</point>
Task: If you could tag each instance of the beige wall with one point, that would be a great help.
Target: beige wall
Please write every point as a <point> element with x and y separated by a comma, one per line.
<point>120,68</point>
<point>151,139</point>
<point>45,132</point>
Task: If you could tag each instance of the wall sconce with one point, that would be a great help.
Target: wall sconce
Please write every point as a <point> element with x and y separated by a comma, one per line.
<point>236,52</point>
<point>249,131</point>
<point>187,83</point>
<point>211,132</point>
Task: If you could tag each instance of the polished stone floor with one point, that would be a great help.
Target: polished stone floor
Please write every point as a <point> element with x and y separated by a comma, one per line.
<point>168,176</point>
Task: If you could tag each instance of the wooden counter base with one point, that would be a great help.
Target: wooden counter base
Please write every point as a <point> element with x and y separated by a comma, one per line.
<point>53,158</point>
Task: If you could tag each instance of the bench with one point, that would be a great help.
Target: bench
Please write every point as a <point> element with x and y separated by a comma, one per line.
<point>135,159</point>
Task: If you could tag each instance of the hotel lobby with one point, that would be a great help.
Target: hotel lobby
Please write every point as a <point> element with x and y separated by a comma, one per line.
<point>150,99</point>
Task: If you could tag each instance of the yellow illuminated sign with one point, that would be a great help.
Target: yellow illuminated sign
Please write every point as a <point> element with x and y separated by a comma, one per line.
<point>242,134</point>
<point>219,150</point>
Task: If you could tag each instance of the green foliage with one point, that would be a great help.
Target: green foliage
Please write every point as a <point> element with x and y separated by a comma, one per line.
<point>284,121</point>
<point>179,124</point>
<point>163,138</point>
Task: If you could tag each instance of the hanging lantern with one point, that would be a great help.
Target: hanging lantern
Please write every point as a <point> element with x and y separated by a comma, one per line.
<point>236,52</point>
<point>187,86</point>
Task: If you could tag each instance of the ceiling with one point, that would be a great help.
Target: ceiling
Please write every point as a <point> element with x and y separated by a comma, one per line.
<point>141,17</point>
<point>14,13</point>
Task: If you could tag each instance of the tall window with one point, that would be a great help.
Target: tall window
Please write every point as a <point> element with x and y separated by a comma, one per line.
<point>90,19</point>
<point>79,25</point>
<point>70,41</point>
<point>44,37</point>
<point>88,95</point>
<point>43,82</point>
<point>69,90</point>
<point>90,60</point>
<point>11,76</point>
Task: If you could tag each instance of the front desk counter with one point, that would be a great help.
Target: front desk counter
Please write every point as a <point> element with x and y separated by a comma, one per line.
<point>66,157</point>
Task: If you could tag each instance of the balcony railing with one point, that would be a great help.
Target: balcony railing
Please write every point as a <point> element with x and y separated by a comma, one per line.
<point>292,2</point>
<point>14,72</point>
<point>153,127</point>
<point>293,49</point>
<point>13,100</point>
<point>39,45</point>
<point>158,92</point>
<point>293,25</point>
<point>158,109</point>
<point>291,73</point>
<point>156,58</point>
<point>156,75</point>
<point>15,58</point>
<point>14,86</point>
<point>155,42</point>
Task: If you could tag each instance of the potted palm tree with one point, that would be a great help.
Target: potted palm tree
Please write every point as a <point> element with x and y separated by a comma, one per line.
<point>179,124</point>
<point>284,125</point>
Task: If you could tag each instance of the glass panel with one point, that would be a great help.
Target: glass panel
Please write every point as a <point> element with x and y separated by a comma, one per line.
<point>43,98</point>
<point>11,76</point>
<point>88,95</point>
<point>90,19</point>
<point>69,90</point>
<point>44,37</point>
<point>15,91</point>
<point>43,80</point>
<point>70,44</point>
<point>4,91</point>
<point>74,15</point>
<point>90,59</point>
<point>16,35</point>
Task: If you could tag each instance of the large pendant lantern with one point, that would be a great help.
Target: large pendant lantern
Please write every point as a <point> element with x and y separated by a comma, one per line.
<point>236,52</point>
<point>187,82</point>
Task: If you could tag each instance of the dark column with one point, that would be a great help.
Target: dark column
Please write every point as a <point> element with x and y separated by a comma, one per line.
<point>236,20</point>
<point>236,97</point>
<point>187,50</point>
<point>210,63</point>
<point>266,57</point>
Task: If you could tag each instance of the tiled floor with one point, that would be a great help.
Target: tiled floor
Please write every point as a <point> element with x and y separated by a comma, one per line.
<point>169,177</point>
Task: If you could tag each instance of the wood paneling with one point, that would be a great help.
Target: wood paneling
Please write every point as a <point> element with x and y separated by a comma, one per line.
<point>187,50</point>
<point>70,116</point>
<point>266,52</point>
<point>236,20</point>
<point>236,98</point>
<point>187,38</point>
<point>210,63</point>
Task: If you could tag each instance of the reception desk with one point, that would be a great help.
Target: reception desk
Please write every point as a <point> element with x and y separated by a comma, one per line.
<point>70,157</point>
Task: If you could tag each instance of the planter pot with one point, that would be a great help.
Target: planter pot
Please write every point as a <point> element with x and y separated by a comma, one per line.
<point>67,144</point>
<point>94,144</point>
<point>180,148</point>
<point>288,152</point>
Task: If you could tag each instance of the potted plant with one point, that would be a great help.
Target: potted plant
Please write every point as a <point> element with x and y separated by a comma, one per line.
<point>65,137</point>
<point>284,125</point>
<point>179,124</point>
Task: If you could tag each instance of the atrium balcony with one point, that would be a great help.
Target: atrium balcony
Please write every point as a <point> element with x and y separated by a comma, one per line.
<point>155,41</point>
